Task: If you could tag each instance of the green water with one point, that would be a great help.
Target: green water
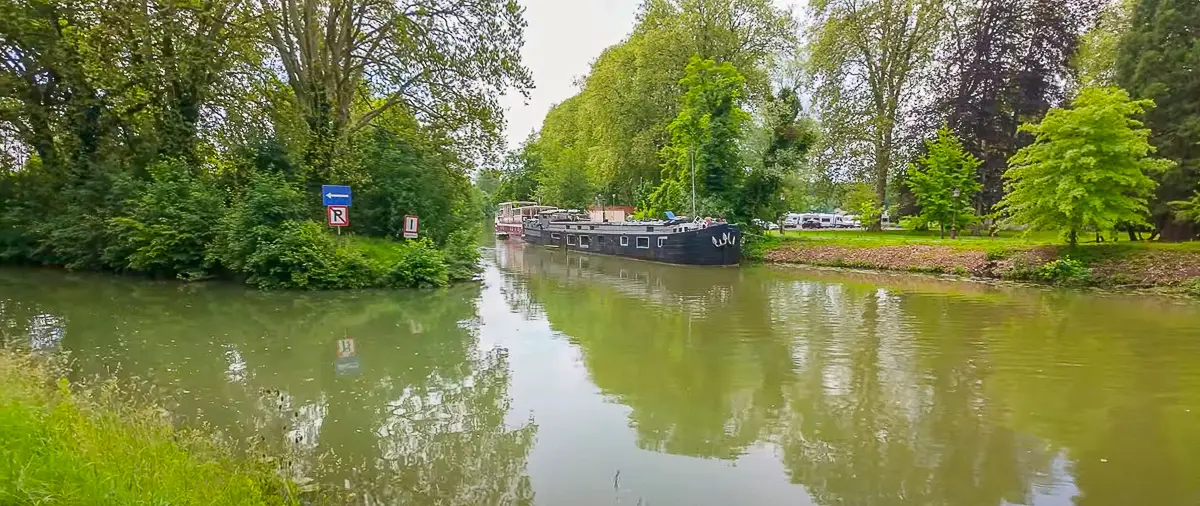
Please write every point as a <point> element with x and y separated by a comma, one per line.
<point>583,380</point>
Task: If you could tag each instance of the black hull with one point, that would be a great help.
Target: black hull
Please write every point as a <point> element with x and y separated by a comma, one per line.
<point>716,245</point>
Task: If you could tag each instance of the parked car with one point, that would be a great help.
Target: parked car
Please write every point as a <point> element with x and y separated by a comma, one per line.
<point>811,223</point>
<point>765,224</point>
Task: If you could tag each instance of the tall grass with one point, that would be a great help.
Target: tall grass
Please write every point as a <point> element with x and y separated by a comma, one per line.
<point>64,445</point>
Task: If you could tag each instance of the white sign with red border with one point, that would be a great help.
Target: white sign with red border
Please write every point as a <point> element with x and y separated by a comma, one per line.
<point>411,225</point>
<point>339,216</point>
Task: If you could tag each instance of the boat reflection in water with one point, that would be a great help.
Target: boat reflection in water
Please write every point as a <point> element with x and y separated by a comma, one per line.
<point>876,389</point>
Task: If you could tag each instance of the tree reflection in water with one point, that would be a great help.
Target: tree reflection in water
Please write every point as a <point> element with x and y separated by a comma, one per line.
<point>420,421</point>
<point>888,389</point>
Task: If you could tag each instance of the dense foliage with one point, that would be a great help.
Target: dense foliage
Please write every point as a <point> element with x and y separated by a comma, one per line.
<point>1158,58</point>
<point>876,79</point>
<point>1088,168</point>
<point>611,138</point>
<point>188,139</point>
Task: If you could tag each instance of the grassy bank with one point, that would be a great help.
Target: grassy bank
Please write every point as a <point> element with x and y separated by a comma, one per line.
<point>1014,256</point>
<point>63,445</point>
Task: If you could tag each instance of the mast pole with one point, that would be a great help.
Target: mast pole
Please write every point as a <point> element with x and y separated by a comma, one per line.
<point>692,161</point>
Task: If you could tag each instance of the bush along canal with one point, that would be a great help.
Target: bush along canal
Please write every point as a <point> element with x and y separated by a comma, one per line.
<point>568,378</point>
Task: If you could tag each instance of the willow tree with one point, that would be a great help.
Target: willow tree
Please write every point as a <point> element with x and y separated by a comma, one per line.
<point>865,56</point>
<point>348,61</point>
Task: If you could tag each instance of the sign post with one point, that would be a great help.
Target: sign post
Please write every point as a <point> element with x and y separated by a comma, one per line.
<point>411,225</point>
<point>337,205</point>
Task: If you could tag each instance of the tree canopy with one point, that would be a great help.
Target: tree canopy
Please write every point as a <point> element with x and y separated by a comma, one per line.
<point>1157,59</point>
<point>131,128</point>
<point>1088,168</point>
<point>944,182</point>
<point>616,128</point>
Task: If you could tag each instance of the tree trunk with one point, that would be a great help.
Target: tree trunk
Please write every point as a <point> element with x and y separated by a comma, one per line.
<point>1072,238</point>
<point>1170,230</point>
<point>883,160</point>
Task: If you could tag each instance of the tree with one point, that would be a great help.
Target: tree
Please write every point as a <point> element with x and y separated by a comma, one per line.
<point>1157,60</point>
<point>1096,60</point>
<point>703,152</point>
<point>861,200</point>
<point>1007,63</point>
<point>865,56</point>
<point>1188,210</point>
<point>520,170</point>
<point>445,60</point>
<point>745,33</point>
<point>631,95</point>
<point>774,146</point>
<point>1088,168</point>
<point>564,179</point>
<point>944,183</point>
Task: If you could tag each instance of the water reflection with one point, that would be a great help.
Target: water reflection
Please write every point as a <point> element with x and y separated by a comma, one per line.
<point>659,384</point>
<point>412,412</point>
<point>888,389</point>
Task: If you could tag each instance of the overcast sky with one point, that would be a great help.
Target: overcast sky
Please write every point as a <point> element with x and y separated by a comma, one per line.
<point>562,39</point>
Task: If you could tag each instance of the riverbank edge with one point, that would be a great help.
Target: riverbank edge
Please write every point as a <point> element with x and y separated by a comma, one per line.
<point>365,263</point>
<point>76,444</point>
<point>1113,266</point>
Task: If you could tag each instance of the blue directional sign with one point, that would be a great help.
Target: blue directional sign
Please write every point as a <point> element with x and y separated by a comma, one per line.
<point>335,195</point>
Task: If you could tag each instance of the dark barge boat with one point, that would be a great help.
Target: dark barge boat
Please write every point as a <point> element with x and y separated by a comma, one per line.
<point>676,241</point>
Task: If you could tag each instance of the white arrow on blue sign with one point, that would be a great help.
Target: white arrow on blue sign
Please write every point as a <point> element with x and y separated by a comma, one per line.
<point>335,195</point>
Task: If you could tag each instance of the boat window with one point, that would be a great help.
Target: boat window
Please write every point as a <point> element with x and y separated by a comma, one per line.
<point>600,239</point>
<point>649,229</point>
<point>585,241</point>
<point>643,242</point>
<point>592,227</point>
<point>661,241</point>
<point>570,239</point>
<point>624,240</point>
<point>555,236</point>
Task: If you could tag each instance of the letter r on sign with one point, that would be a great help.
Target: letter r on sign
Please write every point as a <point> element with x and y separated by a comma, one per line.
<point>339,216</point>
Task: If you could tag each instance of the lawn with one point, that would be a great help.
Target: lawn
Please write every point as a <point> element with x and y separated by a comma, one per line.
<point>1006,239</point>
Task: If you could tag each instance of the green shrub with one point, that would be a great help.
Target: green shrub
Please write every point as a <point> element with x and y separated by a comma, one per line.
<point>1192,287</point>
<point>304,255</point>
<point>1066,270</point>
<point>269,201</point>
<point>421,265</point>
<point>756,246</point>
<point>168,226</point>
<point>462,255</point>
<point>64,445</point>
<point>996,253</point>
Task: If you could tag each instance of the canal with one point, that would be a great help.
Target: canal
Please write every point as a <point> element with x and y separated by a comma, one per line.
<point>584,380</point>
